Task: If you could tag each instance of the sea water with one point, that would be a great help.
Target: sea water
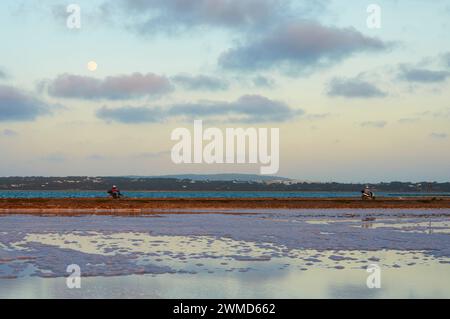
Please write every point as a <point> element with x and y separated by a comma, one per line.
<point>205,194</point>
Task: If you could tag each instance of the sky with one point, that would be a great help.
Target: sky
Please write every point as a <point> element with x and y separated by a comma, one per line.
<point>353,103</point>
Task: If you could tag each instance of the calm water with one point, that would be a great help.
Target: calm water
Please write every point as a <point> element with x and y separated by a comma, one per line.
<point>143,194</point>
<point>424,281</point>
<point>271,254</point>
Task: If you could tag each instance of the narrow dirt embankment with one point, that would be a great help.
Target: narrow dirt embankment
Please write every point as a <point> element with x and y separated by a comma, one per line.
<point>9,206</point>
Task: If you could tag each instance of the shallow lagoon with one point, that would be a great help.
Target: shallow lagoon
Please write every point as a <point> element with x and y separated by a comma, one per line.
<point>413,282</point>
<point>266,254</point>
<point>208,194</point>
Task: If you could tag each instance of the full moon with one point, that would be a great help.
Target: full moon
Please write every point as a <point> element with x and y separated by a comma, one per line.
<point>92,66</point>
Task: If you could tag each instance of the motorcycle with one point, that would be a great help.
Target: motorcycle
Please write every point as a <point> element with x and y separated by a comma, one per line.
<point>368,196</point>
<point>115,194</point>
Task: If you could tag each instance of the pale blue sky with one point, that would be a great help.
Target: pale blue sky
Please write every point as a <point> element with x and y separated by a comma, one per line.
<point>374,103</point>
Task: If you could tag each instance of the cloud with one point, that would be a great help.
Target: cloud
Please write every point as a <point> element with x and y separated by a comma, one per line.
<point>147,155</point>
<point>353,88</point>
<point>301,47</point>
<point>429,70</point>
<point>412,74</point>
<point>247,109</point>
<point>112,87</point>
<point>55,158</point>
<point>408,120</point>
<point>3,75</point>
<point>59,13</point>
<point>439,136</point>
<point>93,16</point>
<point>446,59</point>
<point>96,157</point>
<point>263,82</point>
<point>9,133</point>
<point>174,16</point>
<point>439,114</point>
<point>200,82</point>
<point>318,116</point>
<point>16,105</point>
<point>150,16</point>
<point>374,124</point>
<point>131,114</point>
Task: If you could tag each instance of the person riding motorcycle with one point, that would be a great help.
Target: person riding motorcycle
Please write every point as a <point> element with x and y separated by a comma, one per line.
<point>114,192</point>
<point>367,193</point>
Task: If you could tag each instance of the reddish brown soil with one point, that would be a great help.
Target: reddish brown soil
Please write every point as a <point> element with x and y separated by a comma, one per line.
<point>38,206</point>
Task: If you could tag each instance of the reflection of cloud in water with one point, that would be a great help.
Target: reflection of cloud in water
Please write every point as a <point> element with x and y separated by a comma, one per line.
<point>352,291</point>
<point>283,254</point>
<point>124,253</point>
<point>288,283</point>
<point>418,226</point>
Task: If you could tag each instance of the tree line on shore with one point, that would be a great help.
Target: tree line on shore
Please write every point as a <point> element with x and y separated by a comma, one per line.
<point>175,184</point>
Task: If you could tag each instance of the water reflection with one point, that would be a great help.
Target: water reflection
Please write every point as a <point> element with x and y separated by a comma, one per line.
<point>270,255</point>
<point>418,282</point>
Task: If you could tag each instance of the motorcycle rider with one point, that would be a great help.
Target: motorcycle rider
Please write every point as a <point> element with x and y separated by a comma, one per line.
<point>115,192</point>
<point>367,193</point>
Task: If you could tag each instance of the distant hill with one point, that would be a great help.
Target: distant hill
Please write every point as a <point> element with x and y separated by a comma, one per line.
<point>227,177</point>
<point>219,182</point>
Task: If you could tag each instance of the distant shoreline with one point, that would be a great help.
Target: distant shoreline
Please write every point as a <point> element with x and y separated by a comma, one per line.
<point>252,184</point>
<point>200,191</point>
<point>105,206</point>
